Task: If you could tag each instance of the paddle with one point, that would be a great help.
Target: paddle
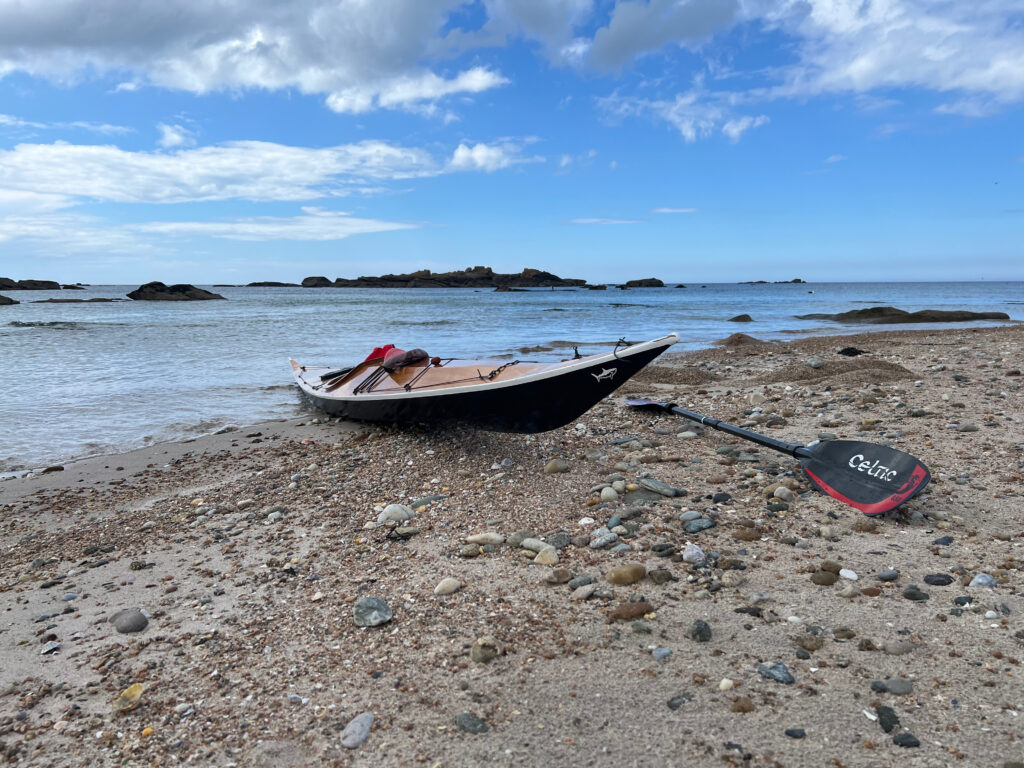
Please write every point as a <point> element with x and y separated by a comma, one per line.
<point>872,478</point>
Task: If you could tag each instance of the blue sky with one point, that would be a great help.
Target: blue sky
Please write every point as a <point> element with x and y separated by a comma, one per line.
<point>706,140</point>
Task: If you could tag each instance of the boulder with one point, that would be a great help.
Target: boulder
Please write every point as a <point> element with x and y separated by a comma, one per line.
<point>741,319</point>
<point>157,291</point>
<point>894,315</point>
<point>7,284</point>
<point>316,282</point>
<point>38,285</point>
<point>7,301</point>
<point>597,287</point>
<point>647,282</point>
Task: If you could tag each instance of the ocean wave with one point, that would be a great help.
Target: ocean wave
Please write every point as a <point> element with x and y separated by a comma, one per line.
<point>59,324</point>
<point>424,323</point>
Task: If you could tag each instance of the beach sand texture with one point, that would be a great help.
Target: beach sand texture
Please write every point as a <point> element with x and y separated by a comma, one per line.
<point>251,553</point>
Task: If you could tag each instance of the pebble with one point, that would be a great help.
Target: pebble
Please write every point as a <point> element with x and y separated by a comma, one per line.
<point>490,537</point>
<point>693,554</point>
<point>913,592</point>
<point>67,597</point>
<point>899,686</point>
<point>533,544</point>
<point>982,580</point>
<point>517,538</point>
<point>776,671</point>
<point>906,740</point>
<point>557,576</point>
<point>484,649</point>
<point>609,494</point>
<point>824,578</point>
<point>129,620</point>
<point>657,486</point>
<point>447,586</point>
<point>661,654</point>
<point>371,612</point>
<point>784,493</point>
<point>471,724</point>
<point>815,362</point>
<point>629,573</point>
<point>726,684</point>
<point>888,575</point>
<point>688,515</point>
<point>938,579</point>
<point>547,556</point>
<point>556,466</point>
<point>580,581</point>
<point>943,541</point>
<point>698,525</point>
<point>51,647</point>
<point>677,701</point>
<point>583,592</point>
<point>887,718</point>
<point>357,730</point>
<point>846,573</point>
<point>700,631</point>
<point>795,733</point>
<point>604,540</point>
<point>393,513</point>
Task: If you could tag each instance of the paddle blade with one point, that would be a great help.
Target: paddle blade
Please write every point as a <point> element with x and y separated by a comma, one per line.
<point>872,478</point>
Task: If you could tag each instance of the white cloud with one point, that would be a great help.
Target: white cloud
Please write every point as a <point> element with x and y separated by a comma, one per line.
<point>736,127</point>
<point>487,157</point>
<point>172,136</point>
<point>411,91</point>
<point>673,210</point>
<point>835,158</point>
<point>10,121</point>
<point>588,221</point>
<point>314,225</point>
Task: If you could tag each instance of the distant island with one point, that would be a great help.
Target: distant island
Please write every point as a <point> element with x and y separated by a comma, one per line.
<point>775,282</point>
<point>473,277</point>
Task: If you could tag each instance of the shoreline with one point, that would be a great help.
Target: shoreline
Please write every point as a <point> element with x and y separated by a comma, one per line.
<point>249,558</point>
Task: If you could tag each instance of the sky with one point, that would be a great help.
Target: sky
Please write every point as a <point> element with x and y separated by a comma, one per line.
<point>230,141</point>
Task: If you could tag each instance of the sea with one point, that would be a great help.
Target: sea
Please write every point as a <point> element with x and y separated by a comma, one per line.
<point>80,379</point>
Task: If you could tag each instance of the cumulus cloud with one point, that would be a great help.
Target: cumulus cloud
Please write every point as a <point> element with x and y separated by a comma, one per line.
<point>487,157</point>
<point>637,27</point>
<point>175,136</point>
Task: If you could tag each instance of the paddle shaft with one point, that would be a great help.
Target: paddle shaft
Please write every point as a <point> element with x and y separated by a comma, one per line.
<point>781,446</point>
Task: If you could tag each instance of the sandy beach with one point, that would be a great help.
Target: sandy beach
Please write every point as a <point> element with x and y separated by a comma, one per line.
<point>634,593</point>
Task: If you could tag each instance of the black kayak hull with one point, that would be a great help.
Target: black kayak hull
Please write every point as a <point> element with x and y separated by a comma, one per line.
<point>531,406</point>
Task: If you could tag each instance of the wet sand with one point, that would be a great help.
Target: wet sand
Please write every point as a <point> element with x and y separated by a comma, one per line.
<point>249,550</point>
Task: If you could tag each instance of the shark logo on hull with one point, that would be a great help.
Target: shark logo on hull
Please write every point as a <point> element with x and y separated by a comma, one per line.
<point>605,374</point>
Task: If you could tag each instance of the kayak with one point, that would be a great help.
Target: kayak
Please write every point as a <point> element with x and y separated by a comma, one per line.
<point>397,387</point>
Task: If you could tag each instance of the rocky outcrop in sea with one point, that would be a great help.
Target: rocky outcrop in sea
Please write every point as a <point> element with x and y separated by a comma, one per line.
<point>473,277</point>
<point>157,291</point>
<point>894,315</point>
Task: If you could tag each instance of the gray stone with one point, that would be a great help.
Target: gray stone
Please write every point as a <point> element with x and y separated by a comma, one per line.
<point>471,723</point>
<point>129,620</point>
<point>688,515</point>
<point>580,581</point>
<point>698,525</point>
<point>899,686</point>
<point>517,538</point>
<point>357,730</point>
<point>776,671</point>
<point>887,718</point>
<point>906,740</point>
<point>371,612</point>
<point>393,513</point>
<point>982,580</point>
<point>664,489</point>
<point>51,647</point>
<point>661,654</point>
<point>556,466</point>
<point>693,554</point>
<point>815,363</point>
<point>700,631</point>
<point>914,593</point>
<point>888,575</point>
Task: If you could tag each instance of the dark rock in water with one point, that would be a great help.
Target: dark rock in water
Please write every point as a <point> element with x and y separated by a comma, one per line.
<point>887,718</point>
<point>744,318</point>
<point>851,352</point>
<point>371,612</point>
<point>471,723</point>
<point>316,282</point>
<point>37,285</point>
<point>7,284</point>
<point>72,288</point>
<point>129,620</point>
<point>473,277</point>
<point>157,291</point>
<point>597,287</point>
<point>894,315</point>
<point>938,579</point>
<point>777,671</point>
<point>272,284</point>
<point>680,286</point>
<point>6,301</point>
<point>509,289</point>
<point>906,740</point>
<point>646,282</point>
<point>93,300</point>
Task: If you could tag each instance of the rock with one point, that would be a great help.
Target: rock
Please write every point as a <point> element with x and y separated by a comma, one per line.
<point>982,580</point>
<point>580,581</point>
<point>357,730</point>
<point>486,538</point>
<point>677,701</point>
<point>6,301</point>
<point>645,282</point>
<point>776,671</point>
<point>51,647</point>
<point>661,576</point>
<point>899,647</point>
<point>915,594</point>
<point>887,718</point>
<point>557,576</point>
<point>485,649</point>
<point>469,550</point>
<point>899,686</point>
<point>815,362</point>
<point>472,277</point>
<point>656,486</point>
<point>894,315</point>
<point>471,724</point>
<point>609,494</point>
<point>700,631</point>
<point>371,612</point>
<point>943,541</point>
<point>784,493</point>
<point>556,466</point>
<point>629,611</point>
<point>744,318</point>
<point>447,586</point>
<point>395,513</point>
<point>824,578</point>
<point>129,620</point>
<point>742,704</point>
<point>846,573</point>
<point>795,733</point>
<point>547,556</point>
<point>906,740</point>
<point>157,291</point>
<point>532,544</point>
<point>316,282</point>
<point>583,592</point>
<point>517,538</point>
<point>693,554</point>
<point>888,575</point>
<point>938,579</point>
<point>603,540</point>
<point>661,654</point>
<point>698,525</point>
<point>629,573</point>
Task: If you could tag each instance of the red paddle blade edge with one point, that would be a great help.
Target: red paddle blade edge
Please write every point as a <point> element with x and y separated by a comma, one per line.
<point>871,478</point>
